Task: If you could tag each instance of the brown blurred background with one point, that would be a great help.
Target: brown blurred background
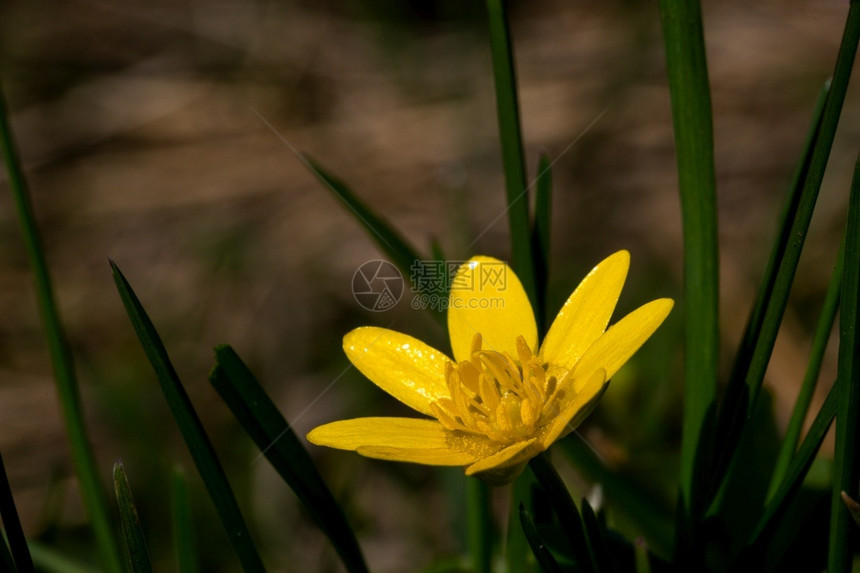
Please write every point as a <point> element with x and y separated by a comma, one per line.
<point>148,134</point>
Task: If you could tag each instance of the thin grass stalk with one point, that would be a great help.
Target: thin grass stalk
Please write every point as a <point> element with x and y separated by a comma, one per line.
<point>846,462</point>
<point>83,460</point>
<point>813,370</point>
<point>193,434</point>
<point>740,398</point>
<point>513,156</point>
<point>694,145</point>
<point>480,525</point>
<point>135,543</point>
<point>183,524</point>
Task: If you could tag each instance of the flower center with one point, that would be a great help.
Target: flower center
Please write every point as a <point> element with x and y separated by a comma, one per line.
<point>494,395</point>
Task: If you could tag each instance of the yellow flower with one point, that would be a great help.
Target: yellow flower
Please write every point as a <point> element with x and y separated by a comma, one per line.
<point>502,400</point>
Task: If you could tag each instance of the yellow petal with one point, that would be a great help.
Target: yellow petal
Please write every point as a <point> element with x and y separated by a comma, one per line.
<point>487,298</point>
<point>576,408</point>
<point>510,456</point>
<point>380,432</point>
<point>584,316</point>
<point>426,456</point>
<point>403,366</point>
<point>621,341</point>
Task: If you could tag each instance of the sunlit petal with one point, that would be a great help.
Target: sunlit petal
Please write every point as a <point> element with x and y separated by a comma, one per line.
<point>381,432</point>
<point>584,316</point>
<point>426,456</point>
<point>403,366</point>
<point>487,298</point>
<point>621,341</point>
<point>576,408</point>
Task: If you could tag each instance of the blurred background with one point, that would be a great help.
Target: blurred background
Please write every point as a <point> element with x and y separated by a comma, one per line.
<point>164,135</point>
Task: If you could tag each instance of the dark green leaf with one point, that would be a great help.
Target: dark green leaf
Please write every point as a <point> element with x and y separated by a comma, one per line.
<point>564,507</point>
<point>601,559</point>
<point>797,471</point>
<point>544,558</point>
<point>260,418</point>
<point>846,461</point>
<point>624,496</point>
<point>135,544</point>
<point>191,428</point>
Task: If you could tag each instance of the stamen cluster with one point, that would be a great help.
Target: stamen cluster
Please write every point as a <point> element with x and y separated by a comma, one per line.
<point>494,395</point>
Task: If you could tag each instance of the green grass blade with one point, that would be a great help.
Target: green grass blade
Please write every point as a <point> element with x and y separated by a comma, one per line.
<point>846,462</point>
<point>12,524</point>
<point>191,428</point>
<point>541,236</point>
<point>564,507</point>
<point>544,558</point>
<point>92,492</point>
<point>601,559</point>
<point>6,561</point>
<point>183,524</point>
<point>51,561</point>
<point>794,477</point>
<point>654,522</point>
<point>135,543</point>
<point>513,156</point>
<point>694,147</point>
<point>807,389</point>
<point>480,525</point>
<point>401,253</point>
<point>516,544</point>
<point>260,418</point>
<point>763,324</point>
<point>740,402</point>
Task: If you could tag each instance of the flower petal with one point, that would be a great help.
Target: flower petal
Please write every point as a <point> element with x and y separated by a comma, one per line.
<point>510,456</point>
<point>403,366</point>
<point>584,316</point>
<point>621,341</point>
<point>487,298</point>
<point>380,432</point>
<point>426,456</point>
<point>576,408</point>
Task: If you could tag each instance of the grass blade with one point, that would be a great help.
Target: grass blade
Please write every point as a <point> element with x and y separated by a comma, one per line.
<point>135,543</point>
<point>600,555</point>
<point>654,521</point>
<point>515,539</point>
<point>564,506</point>
<point>51,561</point>
<point>794,477</point>
<point>544,558</point>
<point>92,492</point>
<point>12,524</point>
<point>694,146</point>
<point>740,399</point>
<point>807,389</point>
<point>513,157</point>
<point>183,524</point>
<point>541,236</point>
<point>260,418</point>
<point>846,463</point>
<point>480,525</point>
<point>191,428</point>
